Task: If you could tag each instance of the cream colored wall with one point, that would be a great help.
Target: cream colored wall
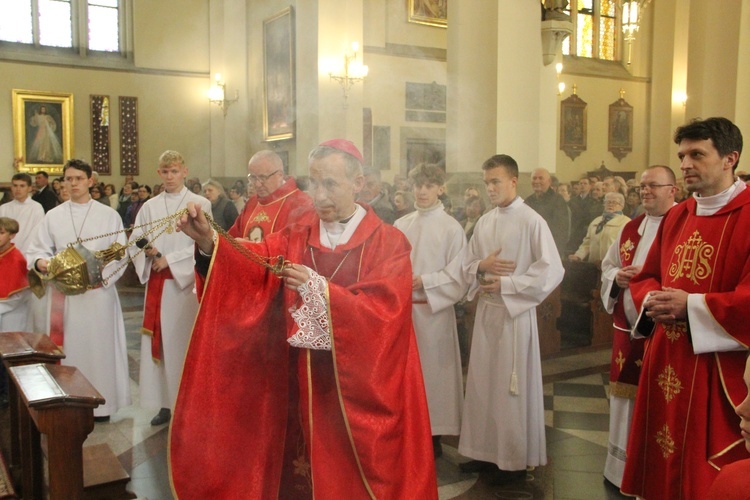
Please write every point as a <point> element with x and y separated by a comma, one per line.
<point>169,79</point>
<point>599,93</point>
<point>386,25</point>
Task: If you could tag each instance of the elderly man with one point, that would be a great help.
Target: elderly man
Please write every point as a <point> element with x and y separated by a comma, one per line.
<point>372,194</point>
<point>551,206</point>
<point>602,231</point>
<point>307,384</point>
<point>624,260</point>
<point>166,267</point>
<point>695,287</point>
<point>276,202</point>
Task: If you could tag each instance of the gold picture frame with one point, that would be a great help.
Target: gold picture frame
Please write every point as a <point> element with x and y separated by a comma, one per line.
<point>573,126</point>
<point>429,12</point>
<point>620,129</point>
<point>42,130</point>
<point>279,115</point>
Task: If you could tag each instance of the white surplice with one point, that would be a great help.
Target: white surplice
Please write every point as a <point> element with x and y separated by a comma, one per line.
<point>29,214</point>
<point>621,409</point>
<point>436,239</point>
<point>503,416</point>
<point>160,380</point>
<point>93,323</point>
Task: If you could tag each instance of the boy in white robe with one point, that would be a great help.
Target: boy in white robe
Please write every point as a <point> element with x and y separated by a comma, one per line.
<point>513,262</point>
<point>93,331</point>
<point>436,239</point>
<point>167,269</point>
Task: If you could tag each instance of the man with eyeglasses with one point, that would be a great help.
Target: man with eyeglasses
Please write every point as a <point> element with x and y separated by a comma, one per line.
<point>624,260</point>
<point>307,384</point>
<point>694,290</point>
<point>277,201</point>
<point>89,327</point>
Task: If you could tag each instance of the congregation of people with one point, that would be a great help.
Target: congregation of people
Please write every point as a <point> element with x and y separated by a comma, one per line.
<point>343,355</point>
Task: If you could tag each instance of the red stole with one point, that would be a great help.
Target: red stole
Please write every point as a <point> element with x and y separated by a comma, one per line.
<point>684,427</point>
<point>13,264</point>
<point>152,310</point>
<point>627,354</point>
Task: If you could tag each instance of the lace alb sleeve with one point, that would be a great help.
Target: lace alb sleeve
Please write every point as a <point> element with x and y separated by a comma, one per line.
<point>311,317</point>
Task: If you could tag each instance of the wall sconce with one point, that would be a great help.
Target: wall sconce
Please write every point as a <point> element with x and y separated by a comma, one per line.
<point>217,94</point>
<point>680,97</point>
<point>354,71</point>
<point>560,84</point>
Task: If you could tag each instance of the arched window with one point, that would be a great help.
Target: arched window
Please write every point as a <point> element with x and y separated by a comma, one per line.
<point>595,29</point>
<point>81,25</point>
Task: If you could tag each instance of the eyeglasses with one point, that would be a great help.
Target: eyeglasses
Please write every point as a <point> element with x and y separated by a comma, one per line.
<point>652,187</point>
<point>261,178</point>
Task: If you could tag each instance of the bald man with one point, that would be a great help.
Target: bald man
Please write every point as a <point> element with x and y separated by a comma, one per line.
<point>277,201</point>
<point>551,206</point>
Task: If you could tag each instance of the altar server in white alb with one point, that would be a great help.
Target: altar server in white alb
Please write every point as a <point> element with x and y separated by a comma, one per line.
<point>624,260</point>
<point>23,209</point>
<point>89,327</point>
<point>513,263</point>
<point>166,266</point>
<point>436,239</point>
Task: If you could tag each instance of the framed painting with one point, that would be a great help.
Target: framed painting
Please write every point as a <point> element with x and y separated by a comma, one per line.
<point>42,130</point>
<point>573,126</point>
<point>429,12</point>
<point>278,76</point>
<point>620,129</point>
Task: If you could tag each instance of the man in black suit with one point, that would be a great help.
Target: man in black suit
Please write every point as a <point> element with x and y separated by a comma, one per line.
<point>46,196</point>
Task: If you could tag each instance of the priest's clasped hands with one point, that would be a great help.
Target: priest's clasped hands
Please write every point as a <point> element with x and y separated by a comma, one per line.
<point>195,225</point>
<point>667,305</point>
<point>497,267</point>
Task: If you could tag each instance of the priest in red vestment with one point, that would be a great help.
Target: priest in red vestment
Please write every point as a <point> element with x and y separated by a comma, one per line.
<point>308,384</point>
<point>695,292</point>
<point>277,201</point>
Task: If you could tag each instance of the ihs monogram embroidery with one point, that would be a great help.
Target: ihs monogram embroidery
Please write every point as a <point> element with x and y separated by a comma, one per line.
<point>693,259</point>
<point>261,217</point>
<point>625,250</point>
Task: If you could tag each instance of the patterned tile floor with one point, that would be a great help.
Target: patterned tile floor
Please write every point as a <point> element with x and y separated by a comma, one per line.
<point>576,416</point>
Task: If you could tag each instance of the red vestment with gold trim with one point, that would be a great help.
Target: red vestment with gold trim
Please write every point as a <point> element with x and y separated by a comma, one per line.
<point>684,426</point>
<point>256,418</point>
<point>270,214</point>
<point>627,353</point>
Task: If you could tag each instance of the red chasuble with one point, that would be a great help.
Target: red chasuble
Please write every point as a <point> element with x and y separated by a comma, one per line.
<point>627,354</point>
<point>256,418</point>
<point>684,426</point>
<point>13,266</point>
<point>270,214</point>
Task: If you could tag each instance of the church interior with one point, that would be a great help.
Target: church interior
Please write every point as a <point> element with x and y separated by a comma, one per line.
<point>570,88</point>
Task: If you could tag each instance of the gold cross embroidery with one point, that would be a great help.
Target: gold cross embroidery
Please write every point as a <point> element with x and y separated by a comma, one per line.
<point>674,331</point>
<point>620,359</point>
<point>665,441</point>
<point>669,383</point>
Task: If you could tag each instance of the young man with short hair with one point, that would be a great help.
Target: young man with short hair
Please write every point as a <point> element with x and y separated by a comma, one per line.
<point>512,261</point>
<point>89,326</point>
<point>436,239</point>
<point>22,208</point>
<point>167,267</point>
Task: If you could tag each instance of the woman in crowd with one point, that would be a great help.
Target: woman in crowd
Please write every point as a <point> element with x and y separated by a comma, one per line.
<point>96,194</point>
<point>564,191</point>
<point>633,207</point>
<point>111,193</point>
<point>223,210</point>
<point>236,196</point>
<point>473,211</point>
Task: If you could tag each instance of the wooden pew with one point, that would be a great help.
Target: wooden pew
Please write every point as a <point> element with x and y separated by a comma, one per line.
<point>59,402</point>
<point>547,314</point>
<point>17,349</point>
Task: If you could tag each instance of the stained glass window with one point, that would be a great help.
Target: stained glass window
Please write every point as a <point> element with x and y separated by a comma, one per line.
<point>595,29</point>
<point>52,23</point>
